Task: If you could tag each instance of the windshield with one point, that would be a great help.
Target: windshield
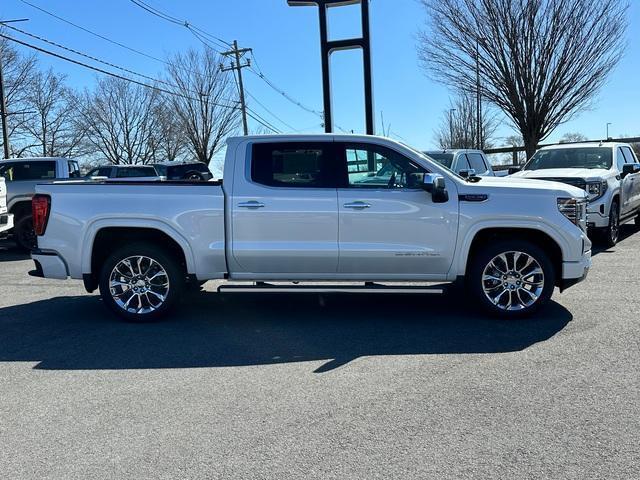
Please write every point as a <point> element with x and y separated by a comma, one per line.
<point>592,157</point>
<point>445,159</point>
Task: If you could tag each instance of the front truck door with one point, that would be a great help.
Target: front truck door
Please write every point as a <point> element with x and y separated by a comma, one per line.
<point>634,180</point>
<point>285,211</point>
<point>626,184</point>
<point>389,228</point>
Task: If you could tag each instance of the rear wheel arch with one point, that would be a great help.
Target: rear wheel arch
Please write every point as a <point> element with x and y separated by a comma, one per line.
<point>20,209</point>
<point>539,238</point>
<point>109,239</point>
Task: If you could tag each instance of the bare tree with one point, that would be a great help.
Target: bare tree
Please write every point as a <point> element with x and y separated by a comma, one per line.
<point>203,100</point>
<point>459,128</point>
<point>540,61</point>
<point>573,137</point>
<point>169,140</point>
<point>52,124</point>
<point>17,71</point>
<point>120,122</point>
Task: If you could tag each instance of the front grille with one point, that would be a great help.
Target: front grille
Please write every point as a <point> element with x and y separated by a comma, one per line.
<point>574,182</point>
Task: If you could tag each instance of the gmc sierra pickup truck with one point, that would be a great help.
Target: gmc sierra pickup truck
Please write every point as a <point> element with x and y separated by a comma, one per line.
<point>311,208</point>
<point>21,176</point>
<point>608,171</point>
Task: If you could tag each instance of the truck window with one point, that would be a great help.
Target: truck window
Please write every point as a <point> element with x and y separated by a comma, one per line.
<point>134,172</point>
<point>462,163</point>
<point>297,165</point>
<point>74,169</point>
<point>620,159</point>
<point>477,163</point>
<point>628,155</point>
<point>19,171</point>
<point>374,166</point>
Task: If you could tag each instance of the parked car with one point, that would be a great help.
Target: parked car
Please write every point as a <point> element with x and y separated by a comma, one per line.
<point>124,172</point>
<point>609,172</point>
<point>464,162</point>
<point>290,209</point>
<point>6,218</point>
<point>21,176</point>
<point>184,170</point>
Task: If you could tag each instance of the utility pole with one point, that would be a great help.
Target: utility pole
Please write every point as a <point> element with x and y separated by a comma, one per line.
<point>479,132</point>
<point>3,113</point>
<point>238,53</point>
<point>3,100</point>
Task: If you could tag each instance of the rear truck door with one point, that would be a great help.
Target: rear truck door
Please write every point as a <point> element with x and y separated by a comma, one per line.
<point>389,227</point>
<point>284,210</point>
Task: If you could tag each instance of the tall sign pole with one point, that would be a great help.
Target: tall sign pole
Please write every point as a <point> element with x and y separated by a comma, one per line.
<point>327,47</point>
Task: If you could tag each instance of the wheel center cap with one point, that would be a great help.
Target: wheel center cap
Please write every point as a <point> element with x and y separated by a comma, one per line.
<point>512,280</point>
<point>140,283</point>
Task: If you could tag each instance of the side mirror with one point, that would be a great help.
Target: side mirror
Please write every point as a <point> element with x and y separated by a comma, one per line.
<point>630,168</point>
<point>513,170</point>
<point>434,184</point>
<point>467,172</point>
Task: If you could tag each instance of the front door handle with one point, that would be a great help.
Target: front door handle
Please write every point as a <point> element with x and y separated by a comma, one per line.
<point>357,205</point>
<point>251,204</point>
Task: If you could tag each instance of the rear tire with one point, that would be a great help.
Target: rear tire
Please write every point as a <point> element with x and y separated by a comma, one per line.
<point>24,234</point>
<point>511,278</point>
<point>141,282</point>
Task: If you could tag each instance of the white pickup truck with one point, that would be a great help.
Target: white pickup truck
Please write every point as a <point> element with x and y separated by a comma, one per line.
<point>307,208</point>
<point>608,171</point>
<point>21,176</point>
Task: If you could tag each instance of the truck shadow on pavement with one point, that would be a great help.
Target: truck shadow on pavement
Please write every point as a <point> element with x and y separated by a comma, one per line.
<point>220,330</point>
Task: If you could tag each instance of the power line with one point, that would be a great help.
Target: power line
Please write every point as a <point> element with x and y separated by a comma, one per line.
<point>195,31</point>
<point>105,72</point>
<point>262,121</point>
<point>95,59</point>
<point>80,27</point>
<point>269,111</point>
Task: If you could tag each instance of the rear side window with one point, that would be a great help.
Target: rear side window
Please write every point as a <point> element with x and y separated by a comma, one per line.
<point>298,165</point>
<point>477,163</point>
<point>462,163</point>
<point>20,171</point>
<point>130,172</point>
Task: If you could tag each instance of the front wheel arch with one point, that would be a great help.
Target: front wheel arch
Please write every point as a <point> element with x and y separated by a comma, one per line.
<point>492,235</point>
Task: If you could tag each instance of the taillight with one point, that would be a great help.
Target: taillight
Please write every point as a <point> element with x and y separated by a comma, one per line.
<point>40,206</point>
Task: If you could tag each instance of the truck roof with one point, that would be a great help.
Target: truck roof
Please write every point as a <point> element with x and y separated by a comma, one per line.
<point>584,145</point>
<point>348,137</point>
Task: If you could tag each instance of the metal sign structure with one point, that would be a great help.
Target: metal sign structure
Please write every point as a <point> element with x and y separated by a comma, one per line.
<point>327,47</point>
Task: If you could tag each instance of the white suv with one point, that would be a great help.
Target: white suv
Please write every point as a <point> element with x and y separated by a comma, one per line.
<point>608,171</point>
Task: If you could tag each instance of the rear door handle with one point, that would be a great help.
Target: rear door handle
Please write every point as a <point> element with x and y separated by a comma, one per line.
<point>357,205</point>
<point>251,204</point>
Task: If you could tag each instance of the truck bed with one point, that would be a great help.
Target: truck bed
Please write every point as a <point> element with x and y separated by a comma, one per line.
<point>190,212</point>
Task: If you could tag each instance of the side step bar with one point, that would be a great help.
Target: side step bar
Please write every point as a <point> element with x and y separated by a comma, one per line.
<point>261,287</point>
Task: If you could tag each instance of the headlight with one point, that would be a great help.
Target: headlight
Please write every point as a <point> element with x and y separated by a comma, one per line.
<point>575,210</point>
<point>596,190</point>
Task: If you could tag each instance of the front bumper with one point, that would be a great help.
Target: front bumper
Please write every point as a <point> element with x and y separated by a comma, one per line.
<point>598,214</point>
<point>575,272</point>
<point>48,265</point>
<point>6,222</point>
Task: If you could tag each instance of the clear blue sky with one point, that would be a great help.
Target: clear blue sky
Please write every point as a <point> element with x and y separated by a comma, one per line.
<point>286,44</point>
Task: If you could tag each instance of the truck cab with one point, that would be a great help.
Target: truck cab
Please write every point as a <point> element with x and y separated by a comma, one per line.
<point>6,218</point>
<point>21,176</point>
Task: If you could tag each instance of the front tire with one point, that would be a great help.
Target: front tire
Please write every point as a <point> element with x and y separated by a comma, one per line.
<point>511,278</point>
<point>141,282</point>
<point>612,232</point>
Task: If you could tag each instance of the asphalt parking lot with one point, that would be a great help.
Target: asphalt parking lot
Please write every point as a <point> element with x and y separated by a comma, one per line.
<point>278,387</point>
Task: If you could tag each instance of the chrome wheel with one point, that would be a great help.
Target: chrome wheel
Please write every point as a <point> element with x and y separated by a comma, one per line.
<point>513,281</point>
<point>139,284</point>
<point>614,227</point>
